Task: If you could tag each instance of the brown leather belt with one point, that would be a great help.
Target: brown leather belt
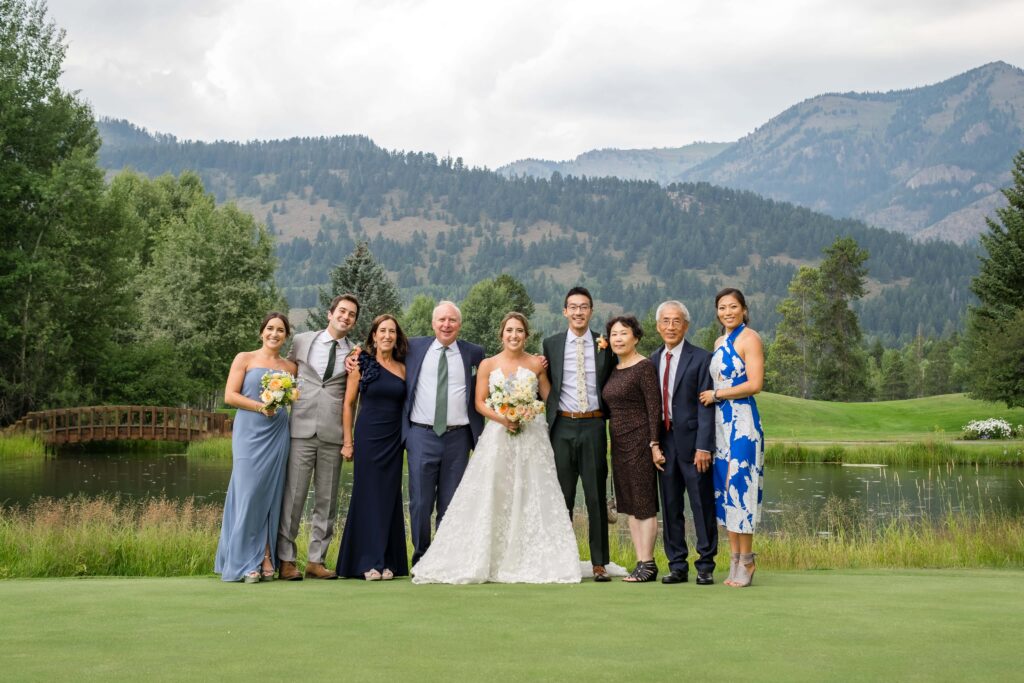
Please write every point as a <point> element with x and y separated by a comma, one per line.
<point>580,416</point>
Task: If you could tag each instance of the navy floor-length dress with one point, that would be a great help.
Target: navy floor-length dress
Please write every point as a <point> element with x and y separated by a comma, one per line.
<point>374,536</point>
<point>252,508</point>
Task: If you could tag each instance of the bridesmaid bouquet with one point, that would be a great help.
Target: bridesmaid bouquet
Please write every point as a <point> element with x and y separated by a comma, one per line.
<point>279,390</point>
<point>516,399</point>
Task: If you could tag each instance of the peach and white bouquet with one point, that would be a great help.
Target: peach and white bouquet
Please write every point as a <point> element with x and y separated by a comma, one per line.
<point>279,390</point>
<point>516,399</point>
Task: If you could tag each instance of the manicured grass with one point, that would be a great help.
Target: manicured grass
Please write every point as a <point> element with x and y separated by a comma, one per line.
<point>936,417</point>
<point>793,626</point>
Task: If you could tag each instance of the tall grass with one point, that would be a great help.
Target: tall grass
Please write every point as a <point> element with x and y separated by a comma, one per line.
<point>908,454</point>
<point>160,537</point>
<point>213,448</point>
<point>21,446</point>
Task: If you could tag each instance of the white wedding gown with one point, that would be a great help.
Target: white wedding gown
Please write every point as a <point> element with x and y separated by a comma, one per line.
<point>507,522</point>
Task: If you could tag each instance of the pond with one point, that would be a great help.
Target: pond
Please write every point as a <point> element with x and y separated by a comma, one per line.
<point>881,491</point>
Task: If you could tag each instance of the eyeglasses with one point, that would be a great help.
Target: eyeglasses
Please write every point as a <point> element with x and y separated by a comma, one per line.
<point>671,322</point>
<point>580,308</point>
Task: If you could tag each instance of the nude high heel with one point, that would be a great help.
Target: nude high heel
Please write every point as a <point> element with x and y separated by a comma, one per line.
<point>734,563</point>
<point>745,576</point>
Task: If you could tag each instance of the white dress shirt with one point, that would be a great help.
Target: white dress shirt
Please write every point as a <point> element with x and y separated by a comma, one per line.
<point>426,387</point>
<point>567,400</point>
<point>675,351</point>
<point>320,351</point>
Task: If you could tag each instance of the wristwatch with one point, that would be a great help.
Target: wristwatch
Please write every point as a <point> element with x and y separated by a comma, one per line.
<point>653,444</point>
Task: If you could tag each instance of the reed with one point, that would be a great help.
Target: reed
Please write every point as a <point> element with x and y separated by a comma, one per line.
<point>160,537</point>
<point>910,454</point>
<point>213,448</point>
<point>114,537</point>
<point>18,445</point>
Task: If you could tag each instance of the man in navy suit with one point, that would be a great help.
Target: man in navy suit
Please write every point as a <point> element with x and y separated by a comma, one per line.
<point>440,424</point>
<point>687,440</point>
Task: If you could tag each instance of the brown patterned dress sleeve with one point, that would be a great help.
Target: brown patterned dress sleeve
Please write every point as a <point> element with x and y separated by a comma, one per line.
<point>652,397</point>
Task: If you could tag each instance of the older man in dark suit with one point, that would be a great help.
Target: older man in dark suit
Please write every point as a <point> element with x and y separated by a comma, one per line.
<point>440,424</point>
<point>687,440</point>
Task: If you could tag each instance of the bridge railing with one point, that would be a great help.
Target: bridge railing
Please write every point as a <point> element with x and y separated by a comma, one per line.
<point>117,423</point>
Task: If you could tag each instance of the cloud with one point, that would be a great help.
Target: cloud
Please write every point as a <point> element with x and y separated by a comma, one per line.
<point>495,82</point>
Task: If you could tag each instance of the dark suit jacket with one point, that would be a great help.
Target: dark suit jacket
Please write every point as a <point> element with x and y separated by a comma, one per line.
<point>554,351</point>
<point>693,424</point>
<point>472,356</point>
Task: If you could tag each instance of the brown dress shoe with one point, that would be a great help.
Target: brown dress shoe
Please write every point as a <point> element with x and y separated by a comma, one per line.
<point>600,575</point>
<point>315,570</point>
<point>288,572</point>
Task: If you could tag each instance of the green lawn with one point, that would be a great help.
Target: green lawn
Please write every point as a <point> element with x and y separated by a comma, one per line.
<point>936,417</point>
<point>810,625</point>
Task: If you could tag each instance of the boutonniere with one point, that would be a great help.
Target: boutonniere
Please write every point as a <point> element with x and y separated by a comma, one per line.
<point>602,343</point>
<point>472,370</point>
<point>356,348</point>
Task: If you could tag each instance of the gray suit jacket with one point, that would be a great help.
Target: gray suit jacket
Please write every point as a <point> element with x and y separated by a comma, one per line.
<point>318,410</point>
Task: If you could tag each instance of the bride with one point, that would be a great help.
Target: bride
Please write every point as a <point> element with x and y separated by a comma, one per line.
<point>507,521</point>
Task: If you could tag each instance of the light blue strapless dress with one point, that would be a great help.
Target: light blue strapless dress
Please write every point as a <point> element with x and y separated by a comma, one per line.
<point>252,509</point>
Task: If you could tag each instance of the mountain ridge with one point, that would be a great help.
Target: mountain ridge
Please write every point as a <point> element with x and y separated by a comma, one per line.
<point>927,161</point>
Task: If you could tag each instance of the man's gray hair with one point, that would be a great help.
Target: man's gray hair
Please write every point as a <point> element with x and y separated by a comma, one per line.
<point>672,303</point>
<point>445,302</point>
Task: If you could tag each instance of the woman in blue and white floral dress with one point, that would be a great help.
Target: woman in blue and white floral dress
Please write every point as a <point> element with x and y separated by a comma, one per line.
<point>737,369</point>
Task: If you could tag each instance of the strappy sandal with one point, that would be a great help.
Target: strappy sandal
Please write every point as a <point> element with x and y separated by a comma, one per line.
<point>734,563</point>
<point>745,576</point>
<point>387,575</point>
<point>251,577</point>
<point>372,575</point>
<point>644,572</point>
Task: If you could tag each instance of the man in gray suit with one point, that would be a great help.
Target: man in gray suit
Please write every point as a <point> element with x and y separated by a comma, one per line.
<point>316,439</point>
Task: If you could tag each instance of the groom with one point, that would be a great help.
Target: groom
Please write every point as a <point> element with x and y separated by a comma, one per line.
<point>579,364</point>
<point>440,424</point>
<point>316,439</point>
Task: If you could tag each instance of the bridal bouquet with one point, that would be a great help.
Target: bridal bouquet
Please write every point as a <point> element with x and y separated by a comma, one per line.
<point>279,390</point>
<point>516,399</point>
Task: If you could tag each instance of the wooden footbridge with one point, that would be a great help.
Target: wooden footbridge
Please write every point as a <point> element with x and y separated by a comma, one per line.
<point>123,423</point>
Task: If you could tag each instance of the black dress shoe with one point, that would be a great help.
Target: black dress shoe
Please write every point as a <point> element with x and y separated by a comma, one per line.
<point>675,576</point>
<point>705,578</point>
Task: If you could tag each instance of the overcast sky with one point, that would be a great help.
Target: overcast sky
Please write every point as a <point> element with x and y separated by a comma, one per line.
<point>494,82</point>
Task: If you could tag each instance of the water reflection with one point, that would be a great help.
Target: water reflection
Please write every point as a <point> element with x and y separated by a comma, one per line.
<point>880,491</point>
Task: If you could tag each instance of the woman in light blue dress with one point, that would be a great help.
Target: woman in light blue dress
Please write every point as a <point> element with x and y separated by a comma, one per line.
<point>737,369</point>
<point>259,455</point>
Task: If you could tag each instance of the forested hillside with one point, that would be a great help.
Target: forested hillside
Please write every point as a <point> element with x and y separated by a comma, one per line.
<point>439,226</point>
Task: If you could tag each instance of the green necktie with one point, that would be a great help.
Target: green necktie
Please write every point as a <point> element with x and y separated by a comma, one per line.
<point>330,361</point>
<point>441,400</point>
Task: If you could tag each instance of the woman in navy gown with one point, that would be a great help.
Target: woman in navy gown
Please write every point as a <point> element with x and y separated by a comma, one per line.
<point>259,454</point>
<point>373,544</point>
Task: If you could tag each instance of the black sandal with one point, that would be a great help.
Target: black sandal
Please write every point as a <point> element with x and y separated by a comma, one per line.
<point>644,572</point>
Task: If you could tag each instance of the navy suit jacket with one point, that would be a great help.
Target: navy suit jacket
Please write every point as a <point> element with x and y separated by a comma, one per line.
<point>693,424</point>
<point>472,356</point>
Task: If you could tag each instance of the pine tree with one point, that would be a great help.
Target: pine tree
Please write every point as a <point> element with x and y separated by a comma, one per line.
<point>841,372</point>
<point>996,363</point>
<point>791,363</point>
<point>359,274</point>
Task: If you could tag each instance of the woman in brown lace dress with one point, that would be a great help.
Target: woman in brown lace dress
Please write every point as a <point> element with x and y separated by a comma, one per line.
<point>634,404</point>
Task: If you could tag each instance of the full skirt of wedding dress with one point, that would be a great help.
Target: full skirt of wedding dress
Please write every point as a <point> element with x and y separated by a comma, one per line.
<point>507,522</point>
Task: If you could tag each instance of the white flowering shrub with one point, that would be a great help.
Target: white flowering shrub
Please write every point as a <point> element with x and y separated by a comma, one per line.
<point>992,428</point>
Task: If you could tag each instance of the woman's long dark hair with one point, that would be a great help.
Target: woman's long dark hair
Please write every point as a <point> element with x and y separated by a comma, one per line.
<point>401,341</point>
